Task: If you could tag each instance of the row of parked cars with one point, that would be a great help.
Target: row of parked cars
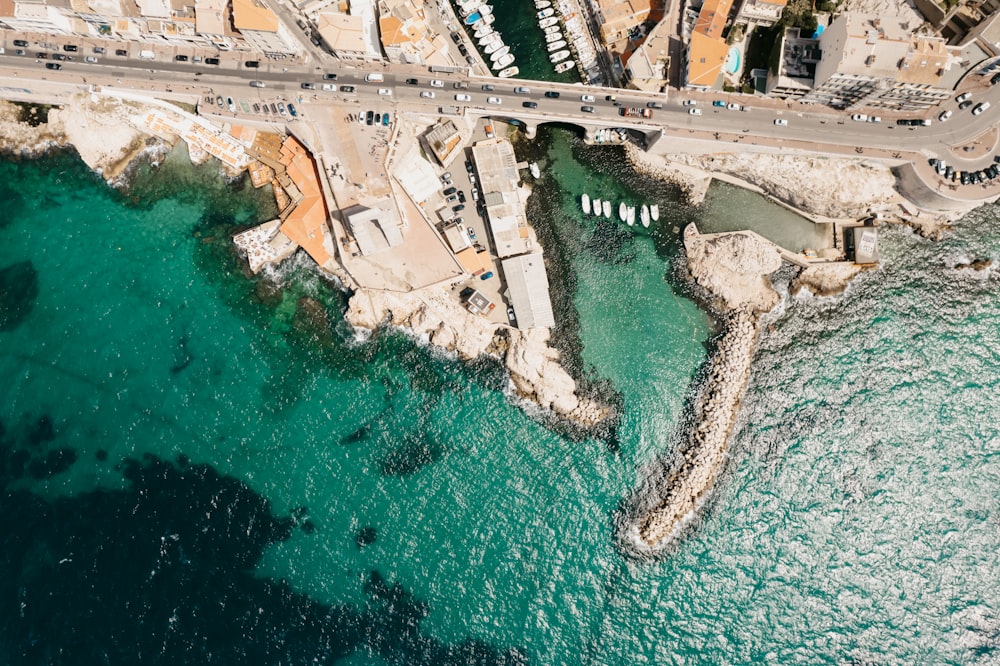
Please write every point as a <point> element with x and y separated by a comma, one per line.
<point>948,172</point>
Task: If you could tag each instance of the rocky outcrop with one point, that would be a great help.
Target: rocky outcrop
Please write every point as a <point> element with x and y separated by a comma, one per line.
<point>826,279</point>
<point>97,127</point>
<point>733,268</point>
<point>436,315</point>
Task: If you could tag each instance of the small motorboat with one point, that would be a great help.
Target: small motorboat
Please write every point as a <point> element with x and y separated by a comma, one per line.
<point>472,18</point>
<point>536,172</point>
<point>553,30</point>
<point>488,19</point>
<point>543,4</point>
<point>644,215</point>
<point>564,66</point>
<point>559,56</point>
<point>554,37</point>
<point>501,52</point>
<point>585,201</point>
<point>654,212</point>
<point>509,72</point>
<point>545,13</point>
<point>492,46</point>
<point>483,33</point>
<point>485,10</point>
<point>623,211</point>
<point>504,61</point>
<point>631,216</point>
<point>548,23</point>
<point>597,206</point>
<point>607,209</point>
<point>555,46</point>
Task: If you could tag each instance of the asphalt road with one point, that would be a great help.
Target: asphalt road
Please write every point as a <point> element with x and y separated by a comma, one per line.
<point>232,77</point>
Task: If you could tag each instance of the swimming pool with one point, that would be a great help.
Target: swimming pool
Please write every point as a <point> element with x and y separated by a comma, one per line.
<point>733,60</point>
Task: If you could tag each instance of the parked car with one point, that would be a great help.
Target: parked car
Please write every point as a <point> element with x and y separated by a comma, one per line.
<point>99,50</point>
<point>451,198</point>
<point>694,112</point>
<point>329,77</point>
<point>437,83</point>
<point>552,94</point>
<point>449,191</point>
<point>859,117</point>
<point>461,196</point>
<point>91,59</point>
<point>446,176</point>
<point>589,99</point>
<point>587,109</point>
<point>489,87</point>
<point>329,87</point>
<point>20,42</point>
<point>121,52</point>
<point>369,117</point>
<point>211,61</point>
<point>53,65</point>
<point>982,106</point>
<point>874,119</point>
<point>462,98</point>
<point>486,276</point>
<point>257,84</point>
<point>70,48</point>
<point>346,89</point>
<point>530,105</point>
<point>291,110</point>
<point>307,86</point>
<point>459,208</point>
<point>689,102</point>
<point>521,90</point>
<point>658,105</point>
<point>254,64</point>
<point>385,91</point>
<point>963,97</point>
<point>427,94</point>
<point>412,82</point>
<point>780,122</point>
<point>718,102</point>
<point>945,115</point>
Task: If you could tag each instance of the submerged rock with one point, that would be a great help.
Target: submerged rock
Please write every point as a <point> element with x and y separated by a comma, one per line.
<point>18,291</point>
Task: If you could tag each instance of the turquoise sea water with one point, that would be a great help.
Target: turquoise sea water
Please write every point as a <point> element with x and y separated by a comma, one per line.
<point>203,467</point>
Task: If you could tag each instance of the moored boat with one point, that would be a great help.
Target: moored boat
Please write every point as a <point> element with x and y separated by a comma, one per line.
<point>553,37</point>
<point>535,171</point>
<point>472,18</point>
<point>552,30</point>
<point>607,209</point>
<point>548,22</point>
<point>585,201</point>
<point>542,4</point>
<point>564,66</point>
<point>555,46</point>
<point>492,46</point>
<point>644,215</point>
<point>545,13</point>
<point>504,50</point>
<point>597,206</point>
<point>631,216</point>
<point>623,211</point>
<point>483,33</point>
<point>485,9</point>
<point>509,72</point>
<point>504,61</point>
<point>654,212</point>
<point>559,56</point>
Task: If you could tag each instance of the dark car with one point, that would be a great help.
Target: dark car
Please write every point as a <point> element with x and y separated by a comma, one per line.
<point>18,51</point>
<point>458,208</point>
<point>412,82</point>
<point>460,85</point>
<point>181,58</point>
<point>463,50</point>
<point>486,276</point>
<point>59,56</point>
<point>718,102</point>
<point>552,94</point>
<point>274,108</point>
<point>385,119</point>
<point>455,37</point>
<point>329,77</point>
<point>587,109</point>
<point>42,56</point>
<point>461,197</point>
<point>53,65</point>
<point>995,79</point>
<point>211,61</point>
<point>20,42</point>
<point>347,89</point>
<point>530,105</point>
<point>70,48</point>
<point>369,117</point>
<point>905,122</point>
<point>121,52</point>
<point>256,108</point>
<point>653,105</point>
<point>99,50</point>
<point>469,59</point>
<point>470,168</point>
<point>252,63</point>
<point>220,101</point>
<point>307,86</point>
<point>964,105</point>
<point>450,190</point>
<point>291,110</point>
<point>489,87</point>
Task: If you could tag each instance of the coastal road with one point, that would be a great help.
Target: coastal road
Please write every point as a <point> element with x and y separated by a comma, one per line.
<point>805,123</point>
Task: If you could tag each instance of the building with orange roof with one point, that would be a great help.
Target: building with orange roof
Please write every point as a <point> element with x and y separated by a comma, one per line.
<point>707,49</point>
<point>307,223</point>
<point>406,37</point>
<point>619,17</point>
<point>261,29</point>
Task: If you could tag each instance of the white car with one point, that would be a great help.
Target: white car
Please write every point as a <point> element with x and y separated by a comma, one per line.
<point>733,106</point>
<point>462,98</point>
<point>874,119</point>
<point>979,108</point>
<point>437,83</point>
<point>384,91</point>
<point>494,100</point>
<point>780,122</point>
<point>329,87</point>
<point>694,112</point>
<point>427,94</point>
<point>964,96</point>
<point>860,117</point>
<point>945,115</point>
<point>587,98</point>
<point>689,102</point>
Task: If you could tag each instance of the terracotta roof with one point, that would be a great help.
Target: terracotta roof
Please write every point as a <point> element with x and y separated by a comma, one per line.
<point>712,18</point>
<point>306,223</point>
<point>247,15</point>
<point>705,59</point>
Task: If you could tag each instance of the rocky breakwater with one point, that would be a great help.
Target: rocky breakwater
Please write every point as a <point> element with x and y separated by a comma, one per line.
<point>733,269</point>
<point>436,316</point>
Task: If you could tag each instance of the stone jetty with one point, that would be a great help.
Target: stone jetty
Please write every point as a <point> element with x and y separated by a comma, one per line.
<point>733,270</point>
<point>705,452</point>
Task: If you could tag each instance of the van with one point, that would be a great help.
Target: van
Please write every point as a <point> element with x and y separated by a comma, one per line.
<point>374,78</point>
<point>148,55</point>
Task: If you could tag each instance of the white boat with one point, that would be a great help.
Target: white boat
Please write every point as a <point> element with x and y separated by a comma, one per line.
<point>553,37</point>
<point>548,23</point>
<point>644,215</point>
<point>631,216</point>
<point>504,50</point>
<point>536,172</point>
<point>553,30</point>
<point>564,66</point>
<point>623,211</point>
<point>543,4</point>
<point>585,200</point>
<point>493,46</point>
<point>654,211</point>
<point>483,33</point>
<point>509,72</point>
<point>607,209</point>
<point>559,56</point>
<point>504,61</point>
<point>597,206</point>
<point>485,10</point>
<point>555,46</point>
<point>545,13</point>
<point>488,19</point>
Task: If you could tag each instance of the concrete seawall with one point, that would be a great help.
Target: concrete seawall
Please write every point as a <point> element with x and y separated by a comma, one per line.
<point>703,454</point>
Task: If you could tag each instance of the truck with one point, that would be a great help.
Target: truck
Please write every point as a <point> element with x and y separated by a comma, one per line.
<point>148,55</point>
<point>636,112</point>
